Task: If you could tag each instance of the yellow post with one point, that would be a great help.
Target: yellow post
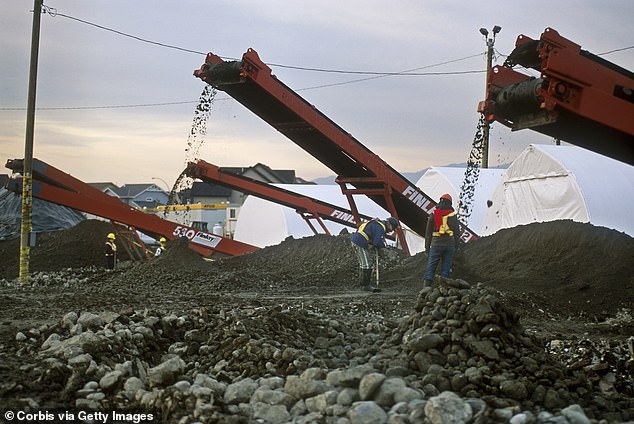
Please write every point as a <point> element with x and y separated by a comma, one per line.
<point>25,229</point>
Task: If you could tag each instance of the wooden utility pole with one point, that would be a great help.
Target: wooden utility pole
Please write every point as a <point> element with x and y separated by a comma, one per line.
<point>27,178</point>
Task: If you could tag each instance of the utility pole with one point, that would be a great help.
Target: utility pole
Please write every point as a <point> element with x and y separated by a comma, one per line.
<point>27,178</point>
<point>490,42</point>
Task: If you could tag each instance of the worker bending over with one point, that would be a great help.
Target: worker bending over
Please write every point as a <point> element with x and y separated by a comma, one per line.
<point>442,236</point>
<point>370,235</point>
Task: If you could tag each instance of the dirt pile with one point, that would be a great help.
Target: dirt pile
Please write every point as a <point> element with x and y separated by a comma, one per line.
<point>514,331</point>
<point>568,267</point>
<point>563,267</point>
<point>79,246</point>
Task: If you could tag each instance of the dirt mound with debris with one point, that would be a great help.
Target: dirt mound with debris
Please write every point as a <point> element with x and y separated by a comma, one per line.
<point>564,267</point>
<point>281,313</point>
<point>568,267</point>
<point>79,246</point>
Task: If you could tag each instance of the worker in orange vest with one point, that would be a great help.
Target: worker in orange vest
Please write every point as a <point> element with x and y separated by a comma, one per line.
<point>110,251</point>
<point>442,236</point>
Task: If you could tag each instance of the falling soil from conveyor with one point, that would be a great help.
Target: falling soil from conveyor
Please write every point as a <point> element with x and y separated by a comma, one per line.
<point>472,173</point>
<point>195,141</point>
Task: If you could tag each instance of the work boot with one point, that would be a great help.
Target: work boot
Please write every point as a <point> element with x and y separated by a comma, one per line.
<point>426,283</point>
<point>367,276</point>
<point>361,277</point>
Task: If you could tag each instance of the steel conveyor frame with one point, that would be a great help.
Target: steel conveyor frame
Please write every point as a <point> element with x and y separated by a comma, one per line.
<point>359,170</point>
<point>307,207</point>
<point>55,186</point>
<point>579,97</point>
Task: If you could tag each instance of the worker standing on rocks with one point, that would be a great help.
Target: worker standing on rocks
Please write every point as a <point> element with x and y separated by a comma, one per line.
<point>370,235</point>
<point>161,248</point>
<point>110,251</point>
<point>442,236</point>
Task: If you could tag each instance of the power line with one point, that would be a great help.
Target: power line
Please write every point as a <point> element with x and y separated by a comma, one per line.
<point>229,98</point>
<point>104,107</point>
<point>54,13</point>
<point>386,75</point>
<point>408,72</point>
<point>615,50</point>
<point>372,74</point>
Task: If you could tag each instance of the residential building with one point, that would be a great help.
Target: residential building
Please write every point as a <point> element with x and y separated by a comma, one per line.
<point>204,206</point>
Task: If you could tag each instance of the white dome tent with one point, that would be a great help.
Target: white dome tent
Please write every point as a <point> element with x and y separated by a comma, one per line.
<point>438,180</point>
<point>264,223</point>
<point>547,183</point>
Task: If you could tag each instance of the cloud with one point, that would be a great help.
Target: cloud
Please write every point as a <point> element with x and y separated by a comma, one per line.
<point>426,120</point>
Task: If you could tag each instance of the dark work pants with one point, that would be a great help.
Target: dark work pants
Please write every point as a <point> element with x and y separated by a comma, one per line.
<point>436,254</point>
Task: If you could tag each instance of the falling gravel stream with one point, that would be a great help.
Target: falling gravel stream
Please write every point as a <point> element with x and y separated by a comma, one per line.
<point>472,173</point>
<point>195,141</point>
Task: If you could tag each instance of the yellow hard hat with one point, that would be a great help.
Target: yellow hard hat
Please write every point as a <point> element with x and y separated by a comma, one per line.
<point>162,240</point>
<point>111,236</point>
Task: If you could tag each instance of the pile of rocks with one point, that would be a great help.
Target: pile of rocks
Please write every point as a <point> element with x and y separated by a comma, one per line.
<point>459,356</point>
<point>466,341</point>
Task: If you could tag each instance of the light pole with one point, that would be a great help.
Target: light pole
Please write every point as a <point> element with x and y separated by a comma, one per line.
<point>490,41</point>
<point>164,182</point>
<point>169,191</point>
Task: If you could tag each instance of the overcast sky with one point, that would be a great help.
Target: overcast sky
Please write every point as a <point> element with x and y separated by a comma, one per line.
<point>91,81</point>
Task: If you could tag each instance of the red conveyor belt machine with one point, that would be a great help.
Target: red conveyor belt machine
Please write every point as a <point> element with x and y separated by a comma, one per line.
<point>55,186</point>
<point>579,97</point>
<point>359,170</point>
<point>308,208</point>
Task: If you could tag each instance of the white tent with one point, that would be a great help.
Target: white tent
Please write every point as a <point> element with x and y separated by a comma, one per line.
<point>264,223</point>
<point>548,182</point>
<point>438,180</point>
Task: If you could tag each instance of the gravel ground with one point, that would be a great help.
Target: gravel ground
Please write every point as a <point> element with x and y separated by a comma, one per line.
<point>532,327</point>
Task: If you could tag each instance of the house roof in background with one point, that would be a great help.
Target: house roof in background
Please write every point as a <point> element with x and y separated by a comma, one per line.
<point>202,189</point>
<point>133,190</point>
<point>265,173</point>
<point>104,186</point>
<point>282,176</point>
<point>259,172</point>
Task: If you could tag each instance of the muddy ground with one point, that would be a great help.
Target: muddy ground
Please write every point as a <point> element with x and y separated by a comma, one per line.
<point>568,282</point>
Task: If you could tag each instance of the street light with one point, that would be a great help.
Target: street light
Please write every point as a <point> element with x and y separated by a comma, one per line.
<point>490,42</point>
<point>169,191</point>
<point>163,181</point>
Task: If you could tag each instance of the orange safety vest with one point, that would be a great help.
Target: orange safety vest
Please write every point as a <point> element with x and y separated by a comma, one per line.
<point>362,227</point>
<point>440,219</point>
